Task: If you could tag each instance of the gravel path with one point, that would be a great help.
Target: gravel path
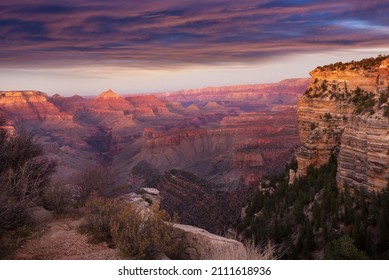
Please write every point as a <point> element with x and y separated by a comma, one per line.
<point>59,240</point>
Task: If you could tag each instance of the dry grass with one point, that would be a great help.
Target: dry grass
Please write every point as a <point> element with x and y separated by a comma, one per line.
<point>263,251</point>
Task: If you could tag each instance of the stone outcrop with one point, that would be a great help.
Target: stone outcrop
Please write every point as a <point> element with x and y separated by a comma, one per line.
<point>342,111</point>
<point>189,243</point>
<point>197,244</point>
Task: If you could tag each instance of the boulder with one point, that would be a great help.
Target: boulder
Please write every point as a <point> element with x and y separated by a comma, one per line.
<point>192,243</point>
<point>151,195</point>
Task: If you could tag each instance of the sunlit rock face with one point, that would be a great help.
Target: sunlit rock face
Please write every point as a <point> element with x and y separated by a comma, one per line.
<point>29,105</point>
<point>343,111</point>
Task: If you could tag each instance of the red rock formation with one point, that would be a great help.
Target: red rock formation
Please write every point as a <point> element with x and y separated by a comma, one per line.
<point>109,102</point>
<point>148,106</point>
<point>29,105</point>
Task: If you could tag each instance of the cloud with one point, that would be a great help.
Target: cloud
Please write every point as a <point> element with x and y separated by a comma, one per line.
<point>172,33</point>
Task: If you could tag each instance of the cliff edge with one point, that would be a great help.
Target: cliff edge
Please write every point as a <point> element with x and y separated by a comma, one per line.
<point>345,110</point>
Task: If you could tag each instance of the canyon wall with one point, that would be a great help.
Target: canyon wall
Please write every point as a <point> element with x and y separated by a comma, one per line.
<point>345,110</point>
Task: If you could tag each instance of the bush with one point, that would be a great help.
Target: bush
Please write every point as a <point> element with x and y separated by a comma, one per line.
<point>137,233</point>
<point>60,198</point>
<point>95,178</point>
<point>98,212</point>
<point>343,248</point>
<point>363,101</point>
<point>327,117</point>
<point>24,174</point>
<point>140,235</point>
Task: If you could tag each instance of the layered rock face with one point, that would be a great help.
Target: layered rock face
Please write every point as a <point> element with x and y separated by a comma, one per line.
<point>287,90</point>
<point>29,105</point>
<point>364,153</point>
<point>343,110</point>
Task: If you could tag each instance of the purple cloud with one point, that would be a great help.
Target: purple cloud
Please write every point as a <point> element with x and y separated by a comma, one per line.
<point>182,33</point>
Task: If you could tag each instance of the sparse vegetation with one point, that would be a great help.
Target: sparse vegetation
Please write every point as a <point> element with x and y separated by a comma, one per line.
<point>136,233</point>
<point>97,178</point>
<point>324,86</point>
<point>263,251</point>
<point>24,173</point>
<point>60,198</point>
<point>327,117</point>
<point>312,126</point>
<point>365,64</point>
<point>383,97</point>
<point>363,101</point>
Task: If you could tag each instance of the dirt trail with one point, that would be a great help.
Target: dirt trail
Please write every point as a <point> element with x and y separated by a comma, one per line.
<point>59,240</point>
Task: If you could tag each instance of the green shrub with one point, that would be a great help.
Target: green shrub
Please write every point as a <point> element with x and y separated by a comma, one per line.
<point>363,101</point>
<point>324,86</point>
<point>327,117</point>
<point>343,248</point>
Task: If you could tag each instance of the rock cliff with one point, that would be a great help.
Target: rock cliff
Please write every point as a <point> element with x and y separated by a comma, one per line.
<point>29,105</point>
<point>345,110</point>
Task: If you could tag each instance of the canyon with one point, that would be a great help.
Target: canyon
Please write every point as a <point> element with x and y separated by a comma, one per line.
<point>230,135</point>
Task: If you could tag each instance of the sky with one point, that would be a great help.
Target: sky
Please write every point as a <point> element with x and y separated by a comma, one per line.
<point>87,46</point>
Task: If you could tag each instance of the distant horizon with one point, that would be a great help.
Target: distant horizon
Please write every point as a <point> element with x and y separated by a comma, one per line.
<point>149,93</point>
<point>81,47</point>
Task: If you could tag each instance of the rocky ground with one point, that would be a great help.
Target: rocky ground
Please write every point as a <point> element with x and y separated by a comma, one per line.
<point>58,239</point>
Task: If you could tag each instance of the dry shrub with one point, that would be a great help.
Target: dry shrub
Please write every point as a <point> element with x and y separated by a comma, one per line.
<point>60,198</point>
<point>99,211</point>
<point>95,178</point>
<point>136,232</point>
<point>140,234</point>
<point>24,173</point>
<point>263,251</point>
